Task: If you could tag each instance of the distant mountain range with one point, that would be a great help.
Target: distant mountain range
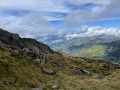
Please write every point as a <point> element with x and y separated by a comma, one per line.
<point>102,47</point>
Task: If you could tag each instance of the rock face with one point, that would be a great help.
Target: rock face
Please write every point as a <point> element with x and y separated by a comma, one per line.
<point>15,41</point>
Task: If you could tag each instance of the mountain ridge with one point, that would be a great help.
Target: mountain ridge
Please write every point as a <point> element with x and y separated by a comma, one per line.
<point>15,41</point>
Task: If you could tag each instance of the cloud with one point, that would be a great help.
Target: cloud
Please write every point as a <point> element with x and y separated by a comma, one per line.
<point>94,31</point>
<point>110,10</point>
<point>78,2</point>
<point>43,7</point>
<point>29,18</point>
<point>33,5</point>
<point>81,2</point>
<point>114,6</point>
<point>57,41</point>
<point>31,25</point>
<point>79,17</point>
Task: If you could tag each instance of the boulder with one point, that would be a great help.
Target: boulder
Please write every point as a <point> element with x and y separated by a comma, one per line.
<point>48,71</point>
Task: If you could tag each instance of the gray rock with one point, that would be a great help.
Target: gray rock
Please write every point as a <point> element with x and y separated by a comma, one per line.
<point>119,66</point>
<point>59,65</point>
<point>14,47</point>
<point>107,74</point>
<point>115,70</point>
<point>42,59</point>
<point>55,86</point>
<point>39,88</point>
<point>87,72</point>
<point>48,71</point>
<point>80,71</point>
<point>28,54</point>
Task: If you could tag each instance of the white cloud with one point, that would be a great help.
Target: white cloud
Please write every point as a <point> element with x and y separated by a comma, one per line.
<point>94,31</point>
<point>44,7</point>
<point>58,41</point>
<point>35,5</point>
<point>32,25</point>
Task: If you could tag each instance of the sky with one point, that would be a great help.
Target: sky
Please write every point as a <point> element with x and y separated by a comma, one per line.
<point>67,18</point>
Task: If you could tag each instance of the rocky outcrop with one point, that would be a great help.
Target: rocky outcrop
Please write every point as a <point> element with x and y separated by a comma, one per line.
<point>16,42</point>
<point>30,53</point>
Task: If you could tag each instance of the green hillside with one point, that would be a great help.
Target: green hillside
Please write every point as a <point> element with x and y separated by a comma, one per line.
<point>96,48</point>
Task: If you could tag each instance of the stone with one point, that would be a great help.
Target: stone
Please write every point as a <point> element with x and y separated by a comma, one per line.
<point>39,88</point>
<point>59,65</point>
<point>87,72</point>
<point>14,47</point>
<point>48,71</point>
<point>119,66</point>
<point>54,86</point>
<point>115,70</point>
<point>107,74</point>
<point>29,54</point>
<point>42,59</point>
<point>80,71</point>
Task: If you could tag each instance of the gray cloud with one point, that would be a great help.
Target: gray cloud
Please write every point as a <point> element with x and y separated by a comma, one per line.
<point>32,25</point>
<point>79,17</point>
<point>99,2</point>
<point>113,6</point>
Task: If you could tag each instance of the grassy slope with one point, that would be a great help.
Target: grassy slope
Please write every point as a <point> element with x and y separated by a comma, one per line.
<point>19,72</point>
<point>97,49</point>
